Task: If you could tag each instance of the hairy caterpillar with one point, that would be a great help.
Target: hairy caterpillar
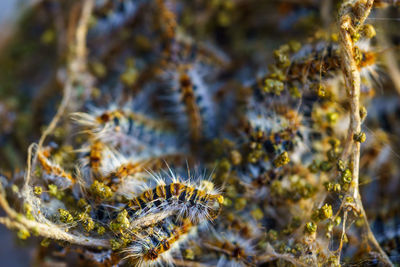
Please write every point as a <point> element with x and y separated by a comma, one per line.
<point>132,132</point>
<point>53,172</point>
<point>188,50</point>
<point>124,175</point>
<point>195,200</point>
<point>315,67</point>
<point>128,167</point>
<point>192,109</point>
<point>190,99</point>
<point>155,245</point>
<point>323,59</point>
<point>190,87</point>
<point>275,128</point>
<point>95,156</point>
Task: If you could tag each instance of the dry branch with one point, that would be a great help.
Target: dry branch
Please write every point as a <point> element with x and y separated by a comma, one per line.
<point>352,16</point>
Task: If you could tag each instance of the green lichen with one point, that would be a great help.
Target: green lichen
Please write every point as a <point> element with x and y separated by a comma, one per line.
<point>282,159</point>
<point>65,216</point>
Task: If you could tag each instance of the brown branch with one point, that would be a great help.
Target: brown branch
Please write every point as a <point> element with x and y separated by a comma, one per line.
<point>351,17</point>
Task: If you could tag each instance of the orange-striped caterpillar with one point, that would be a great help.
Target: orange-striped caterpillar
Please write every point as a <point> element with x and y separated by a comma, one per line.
<point>124,175</point>
<point>273,127</point>
<point>95,156</point>
<point>53,172</point>
<point>156,245</point>
<point>315,67</point>
<point>133,133</point>
<point>190,96</point>
<point>192,109</point>
<point>323,59</point>
<point>197,200</point>
<point>127,167</point>
<point>189,88</point>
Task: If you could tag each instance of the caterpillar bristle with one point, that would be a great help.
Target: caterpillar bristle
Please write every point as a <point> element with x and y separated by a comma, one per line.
<point>192,198</point>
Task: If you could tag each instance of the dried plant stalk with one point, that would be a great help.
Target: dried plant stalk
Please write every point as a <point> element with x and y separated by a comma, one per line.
<point>76,64</point>
<point>352,16</point>
<point>20,222</point>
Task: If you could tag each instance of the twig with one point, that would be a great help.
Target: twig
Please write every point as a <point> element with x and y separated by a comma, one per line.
<point>342,236</point>
<point>351,17</point>
<point>352,81</point>
<point>16,220</point>
<point>75,65</point>
<point>82,29</point>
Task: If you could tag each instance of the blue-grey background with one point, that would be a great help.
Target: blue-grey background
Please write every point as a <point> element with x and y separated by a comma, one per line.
<point>12,254</point>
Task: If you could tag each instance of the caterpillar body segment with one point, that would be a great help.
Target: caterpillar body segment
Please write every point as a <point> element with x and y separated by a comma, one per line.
<point>53,172</point>
<point>189,100</point>
<point>133,133</point>
<point>158,244</point>
<point>93,161</point>
<point>322,60</point>
<point>118,120</point>
<point>184,199</point>
<point>196,199</point>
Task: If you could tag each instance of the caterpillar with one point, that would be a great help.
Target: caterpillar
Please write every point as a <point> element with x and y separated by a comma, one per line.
<point>188,50</point>
<point>95,156</point>
<point>192,109</point>
<point>189,88</point>
<point>189,97</point>
<point>134,133</point>
<point>315,67</point>
<point>275,128</point>
<point>128,167</point>
<point>115,119</point>
<point>197,201</point>
<point>124,175</point>
<point>53,172</point>
<point>155,245</point>
<point>323,58</point>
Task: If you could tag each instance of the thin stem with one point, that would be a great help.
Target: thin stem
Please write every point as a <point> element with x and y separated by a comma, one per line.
<point>76,64</point>
<point>354,13</point>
